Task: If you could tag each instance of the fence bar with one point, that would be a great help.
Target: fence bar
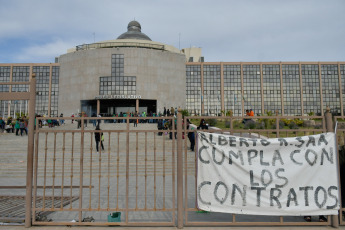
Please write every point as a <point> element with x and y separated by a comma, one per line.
<point>72,162</point>
<point>81,170</point>
<point>136,170</point>
<point>91,160</point>
<point>154,172</point>
<point>179,171</point>
<point>127,168</point>
<point>108,187</point>
<point>330,128</point>
<point>54,163</point>
<point>29,174</point>
<point>36,171</point>
<point>63,168</point>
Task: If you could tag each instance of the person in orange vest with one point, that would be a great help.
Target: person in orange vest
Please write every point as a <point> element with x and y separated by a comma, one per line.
<point>251,113</point>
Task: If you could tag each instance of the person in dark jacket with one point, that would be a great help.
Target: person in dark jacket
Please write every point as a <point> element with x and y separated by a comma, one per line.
<point>191,137</point>
<point>98,138</point>
<point>203,124</point>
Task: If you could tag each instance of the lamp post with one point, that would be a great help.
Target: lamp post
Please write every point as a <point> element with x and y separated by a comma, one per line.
<point>3,111</point>
<point>15,108</point>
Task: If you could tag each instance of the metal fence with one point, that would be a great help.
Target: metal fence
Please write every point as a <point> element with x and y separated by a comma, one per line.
<point>264,127</point>
<point>144,176</point>
<point>131,177</point>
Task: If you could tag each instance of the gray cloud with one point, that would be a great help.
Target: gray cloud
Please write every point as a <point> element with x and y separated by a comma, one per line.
<point>227,30</point>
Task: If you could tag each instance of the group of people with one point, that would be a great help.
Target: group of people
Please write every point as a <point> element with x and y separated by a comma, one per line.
<point>10,125</point>
<point>171,112</point>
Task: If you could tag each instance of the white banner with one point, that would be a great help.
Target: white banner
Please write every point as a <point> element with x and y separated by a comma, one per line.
<point>281,176</point>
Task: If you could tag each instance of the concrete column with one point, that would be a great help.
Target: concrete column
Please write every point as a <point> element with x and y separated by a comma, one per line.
<point>10,90</point>
<point>281,88</point>
<point>222,104</point>
<point>50,91</point>
<point>262,91</point>
<point>202,88</point>
<point>340,91</point>
<point>301,88</point>
<point>242,90</point>
<point>98,106</point>
<point>137,105</point>
<point>321,93</point>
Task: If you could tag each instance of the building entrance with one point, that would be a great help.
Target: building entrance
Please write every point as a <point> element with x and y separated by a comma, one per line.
<point>108,107</point>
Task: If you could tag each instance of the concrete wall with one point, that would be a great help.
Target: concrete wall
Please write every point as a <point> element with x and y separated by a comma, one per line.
<point>160,76</point>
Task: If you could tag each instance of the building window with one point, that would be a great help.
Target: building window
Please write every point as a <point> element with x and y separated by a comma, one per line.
<point>212,94</point>
<point>42,89</point>
<point>193,85</point>
<point>330,88</point>
<point>117,85</point>
<point>232,89</point>
<point>311,85</point>
<point>252,88</point>
<point>271,86</point>
<point>291,83</point>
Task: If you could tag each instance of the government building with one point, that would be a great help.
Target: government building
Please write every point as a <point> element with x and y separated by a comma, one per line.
<point>133,73</point>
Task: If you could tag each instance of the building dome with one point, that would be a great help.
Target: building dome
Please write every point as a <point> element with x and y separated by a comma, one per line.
<point>134,32</point>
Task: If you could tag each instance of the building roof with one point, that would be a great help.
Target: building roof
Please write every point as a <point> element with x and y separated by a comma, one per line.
<point>134,32</point>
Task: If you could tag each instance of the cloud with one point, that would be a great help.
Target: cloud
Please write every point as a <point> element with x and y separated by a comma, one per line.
<point>43,52</point>
<point>226,30</point>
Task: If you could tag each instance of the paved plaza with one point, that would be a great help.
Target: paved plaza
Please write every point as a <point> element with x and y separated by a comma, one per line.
<point>151,175</point>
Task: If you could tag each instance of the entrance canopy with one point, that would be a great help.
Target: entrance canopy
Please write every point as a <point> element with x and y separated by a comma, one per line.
<point>108,107</point>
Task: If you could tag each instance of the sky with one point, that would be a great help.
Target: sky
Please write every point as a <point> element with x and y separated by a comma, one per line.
<point>37,31</point>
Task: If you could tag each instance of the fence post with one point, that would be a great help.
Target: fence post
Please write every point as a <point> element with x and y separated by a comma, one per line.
<point>329,120</point>
<point>330,128</point>
<point>179,171</point>
<point>30,154</point>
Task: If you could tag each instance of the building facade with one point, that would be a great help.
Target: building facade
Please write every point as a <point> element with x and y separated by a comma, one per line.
<point>133,73</point>
<point>291,88</point>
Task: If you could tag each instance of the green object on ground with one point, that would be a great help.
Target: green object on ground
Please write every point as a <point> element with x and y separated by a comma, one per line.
<point>114,217</point>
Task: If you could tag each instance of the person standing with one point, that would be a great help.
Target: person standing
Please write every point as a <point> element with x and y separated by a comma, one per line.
<point>2,124</point>
<point>94,121</point>
<point>99,121</point>
<point>85,120</point>
<point>191,136</point>
<point>136,119</point>
<point>79,121</point>
<point>99,139</point>
<point>62,121</point>
<point>22,127</point>
<point>17,127</point>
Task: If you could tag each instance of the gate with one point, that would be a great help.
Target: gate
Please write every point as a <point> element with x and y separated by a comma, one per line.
<point>131,182</point>
<point>31,96</point>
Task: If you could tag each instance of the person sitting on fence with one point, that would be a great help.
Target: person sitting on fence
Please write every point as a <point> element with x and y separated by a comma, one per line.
<point>251,113</point>
<point>202,124</point>
<point>247,115</point>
